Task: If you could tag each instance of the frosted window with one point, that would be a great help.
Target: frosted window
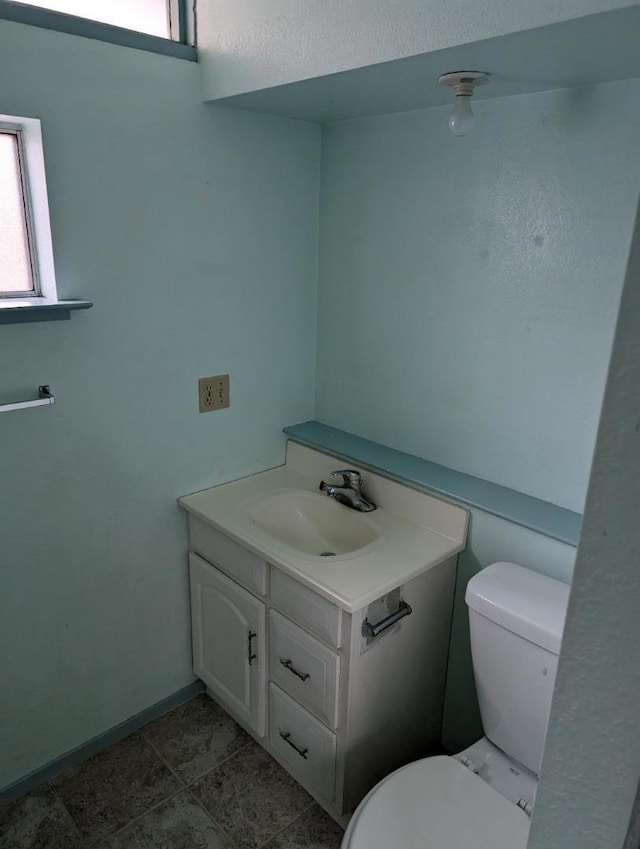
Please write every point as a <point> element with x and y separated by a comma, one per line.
<point>150,16</point>
<point>15,261</point>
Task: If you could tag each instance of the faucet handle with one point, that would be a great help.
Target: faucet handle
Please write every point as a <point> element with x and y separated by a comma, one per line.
<point>350,477</point>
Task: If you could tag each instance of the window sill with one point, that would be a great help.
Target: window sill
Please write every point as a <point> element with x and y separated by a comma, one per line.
<point>22,310</point>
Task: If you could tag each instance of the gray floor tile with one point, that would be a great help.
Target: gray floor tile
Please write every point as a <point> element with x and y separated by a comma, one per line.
<point>313,830</point>
<point>196,736</point>
<point>251,797</point>
<point>179,823</point>
<point>37,821</point>
<point>114,787</point>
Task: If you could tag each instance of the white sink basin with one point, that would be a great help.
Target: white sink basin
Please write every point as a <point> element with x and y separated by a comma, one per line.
<point>280,516</point>
<point>311,523</point>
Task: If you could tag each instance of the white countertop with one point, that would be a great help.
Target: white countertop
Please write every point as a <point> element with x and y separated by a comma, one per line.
<point>418,533</point>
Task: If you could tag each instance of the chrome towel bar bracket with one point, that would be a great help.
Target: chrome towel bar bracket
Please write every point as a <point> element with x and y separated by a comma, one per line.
<point>44,399</point>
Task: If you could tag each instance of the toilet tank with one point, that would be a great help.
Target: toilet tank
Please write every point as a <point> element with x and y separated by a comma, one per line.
<point>516,618</point>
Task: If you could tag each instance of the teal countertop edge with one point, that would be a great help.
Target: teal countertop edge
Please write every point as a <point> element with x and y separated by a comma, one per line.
<point>540,516</point>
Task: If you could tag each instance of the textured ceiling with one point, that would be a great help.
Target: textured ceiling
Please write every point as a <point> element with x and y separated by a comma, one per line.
<point>596,48</point>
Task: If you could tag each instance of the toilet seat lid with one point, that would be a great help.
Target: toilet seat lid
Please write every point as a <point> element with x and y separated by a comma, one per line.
<point>437,803</point>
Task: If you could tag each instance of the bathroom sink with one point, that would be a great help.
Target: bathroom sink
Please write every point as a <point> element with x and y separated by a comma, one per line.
<point>312,524</point>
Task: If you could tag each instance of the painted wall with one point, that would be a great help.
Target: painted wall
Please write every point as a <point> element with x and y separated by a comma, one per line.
<point>247,45</point>
<point>467,300</point>
<point>469,286</point>
<point>194,231</point>
<point>591,762</point>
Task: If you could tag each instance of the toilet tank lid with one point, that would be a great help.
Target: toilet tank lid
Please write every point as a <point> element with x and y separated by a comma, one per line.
<point>528,604</point>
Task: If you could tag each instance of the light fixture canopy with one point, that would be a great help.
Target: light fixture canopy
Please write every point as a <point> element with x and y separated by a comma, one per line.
<point>461,120</point>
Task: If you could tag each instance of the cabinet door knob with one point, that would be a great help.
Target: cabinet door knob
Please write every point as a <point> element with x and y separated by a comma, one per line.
<point>288,664</point>
<point>250,655</point>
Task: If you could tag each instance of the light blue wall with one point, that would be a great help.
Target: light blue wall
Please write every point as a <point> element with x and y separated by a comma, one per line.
<point>590,765</point>
<point>194,231</point>
<point>468,292</point>
<point>467,297</point>
<point>469,286</point>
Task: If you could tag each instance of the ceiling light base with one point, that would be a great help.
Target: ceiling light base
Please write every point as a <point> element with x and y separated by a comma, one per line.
<point>464,82</point>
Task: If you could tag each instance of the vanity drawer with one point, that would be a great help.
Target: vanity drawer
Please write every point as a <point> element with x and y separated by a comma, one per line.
<point>305,668</point>
<point>303,743</point>
<point>319,616</point>
<point>233,559</point>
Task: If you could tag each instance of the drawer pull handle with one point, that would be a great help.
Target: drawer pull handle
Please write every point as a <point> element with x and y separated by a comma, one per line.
<point>286,736</point>
<point>371,630</point>
<point>250,655</point>
<point>289,665</point>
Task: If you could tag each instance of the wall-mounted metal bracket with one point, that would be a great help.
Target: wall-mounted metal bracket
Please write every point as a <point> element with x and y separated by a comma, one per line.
<point>371,630</point>
<point>44,399</point>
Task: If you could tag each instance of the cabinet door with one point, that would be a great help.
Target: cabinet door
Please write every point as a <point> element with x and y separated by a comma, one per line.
<point>228,632</point>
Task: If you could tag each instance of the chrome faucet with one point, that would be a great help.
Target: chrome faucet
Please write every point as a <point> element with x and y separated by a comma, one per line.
<point>350,493</point>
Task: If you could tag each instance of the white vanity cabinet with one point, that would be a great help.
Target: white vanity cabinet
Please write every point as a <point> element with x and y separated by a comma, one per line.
<point>337,708</point>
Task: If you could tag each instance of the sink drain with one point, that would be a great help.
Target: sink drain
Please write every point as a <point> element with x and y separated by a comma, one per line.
<point>327,554</point>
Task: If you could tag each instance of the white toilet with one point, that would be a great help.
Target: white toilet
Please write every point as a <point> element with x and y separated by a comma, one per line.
<point>482,798</point>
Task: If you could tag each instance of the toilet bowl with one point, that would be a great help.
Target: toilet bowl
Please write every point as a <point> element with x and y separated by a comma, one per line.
<point>481,798</point>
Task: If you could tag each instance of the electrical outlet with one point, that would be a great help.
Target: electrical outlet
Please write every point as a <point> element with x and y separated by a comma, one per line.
<point>213,393</point>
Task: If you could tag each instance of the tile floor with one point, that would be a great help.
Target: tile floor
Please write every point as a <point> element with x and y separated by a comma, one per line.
<point>192,779</point>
